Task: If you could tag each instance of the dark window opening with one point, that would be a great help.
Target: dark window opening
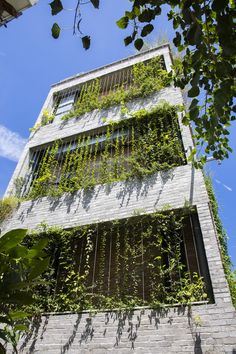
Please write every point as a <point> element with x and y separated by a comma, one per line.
<point>66,101</point>
<point>133,148</point>
<point>143,260</point>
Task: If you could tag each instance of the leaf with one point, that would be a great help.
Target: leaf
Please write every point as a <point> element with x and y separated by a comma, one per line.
<point>128,40</point>
<point>194,35</point>
<point>11,239</point>
<point>18,252</point>
<point>21,298</point>
<point>147,15</point>
<point>55,31</point>
<point>130,14</point>
<point>134,34</point>
<point>3,335</point>
<point>17,315</point>
<point>5,319</point>
<point>219,5</point>
<point>146,30</point>
<point>86,42</point>
<point>39,268</point>
<point>123,22</point>
<point>194,113</point>
<point>194,91</point>
<point>195,79</point>
<point>56,7</point>
<point>37,249</point>
<point>95,3</point>
<point>20,327</point>
<point>193,104</point>
<point>177,39</point>
<point>138,43</point>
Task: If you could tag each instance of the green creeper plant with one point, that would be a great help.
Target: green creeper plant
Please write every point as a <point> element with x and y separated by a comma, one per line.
<point>144,135</point>
<point>46,118</point>
<point>147,78</point>
<point>7,206</point>
<point>145,143</point>
<point>227,264</point>
<point>205,34</point>
<point>20,268</point>
<point>101,265</point>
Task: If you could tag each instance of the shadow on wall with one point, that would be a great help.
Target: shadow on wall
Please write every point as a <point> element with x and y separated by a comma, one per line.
<point>137,188</point>
<point>95,118</point>
<point>84,199</point>
<point>107,330</point>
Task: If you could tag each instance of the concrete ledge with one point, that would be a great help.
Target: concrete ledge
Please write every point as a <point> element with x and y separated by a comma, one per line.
<point>196,329</point>
<point>173,188</point>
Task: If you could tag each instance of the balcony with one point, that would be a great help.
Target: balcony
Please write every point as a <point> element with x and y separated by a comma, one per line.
<point>141,145</point>
<point>113,89</point>
<point>145,260</point>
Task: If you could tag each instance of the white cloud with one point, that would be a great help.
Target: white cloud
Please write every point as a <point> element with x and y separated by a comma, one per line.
<point>11,144</point>
<point>227,187</point>
<point>224,185</point>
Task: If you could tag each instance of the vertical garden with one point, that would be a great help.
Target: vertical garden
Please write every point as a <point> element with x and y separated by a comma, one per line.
<point>141,145</point>
<point>142,260</point>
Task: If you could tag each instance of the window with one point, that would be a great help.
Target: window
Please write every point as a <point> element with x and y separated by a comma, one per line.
<point>130,148</point>
<point>141,79</point>
<point>142,260</point>
<point>64,103</point>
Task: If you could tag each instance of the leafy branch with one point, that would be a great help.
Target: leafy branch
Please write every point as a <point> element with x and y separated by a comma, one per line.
<point>205,34</point>
<point>57,7</point>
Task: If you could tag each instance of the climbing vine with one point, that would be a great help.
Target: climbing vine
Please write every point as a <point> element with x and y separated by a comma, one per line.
<point>7,206</point>
<point>47,118</point>
<point>147,142</point>
<point>205,34</point>
<point>227,264</point>
<point>144,254</point>
<point>145,79</point>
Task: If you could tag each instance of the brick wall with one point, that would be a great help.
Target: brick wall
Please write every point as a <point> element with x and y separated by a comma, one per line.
<point>200,329</point>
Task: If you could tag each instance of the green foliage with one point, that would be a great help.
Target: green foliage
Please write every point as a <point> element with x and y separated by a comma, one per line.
<point>206,37</point>
<point>44,183</point>
<point>20,267</point>
<point>103,265</point>
<point>146,79</point>
<point>141,145</point>
<point>46,119</point>
<point>57,7</point>
<point>86,42</point>
<point>230,275</point>
<point>7,206</point>
<point>56,30</point>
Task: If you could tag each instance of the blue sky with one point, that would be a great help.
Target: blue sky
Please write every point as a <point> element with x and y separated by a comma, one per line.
<point>31,61</point>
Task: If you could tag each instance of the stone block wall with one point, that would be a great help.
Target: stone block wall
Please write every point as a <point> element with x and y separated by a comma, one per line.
<point>198,329</point>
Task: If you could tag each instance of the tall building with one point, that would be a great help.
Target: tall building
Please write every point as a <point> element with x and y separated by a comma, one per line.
<point>136,263</point>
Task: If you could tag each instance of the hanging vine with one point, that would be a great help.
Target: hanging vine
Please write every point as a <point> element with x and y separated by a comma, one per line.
<point>85,260</point>
<point>146,78</point>
<point>147,142</point>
